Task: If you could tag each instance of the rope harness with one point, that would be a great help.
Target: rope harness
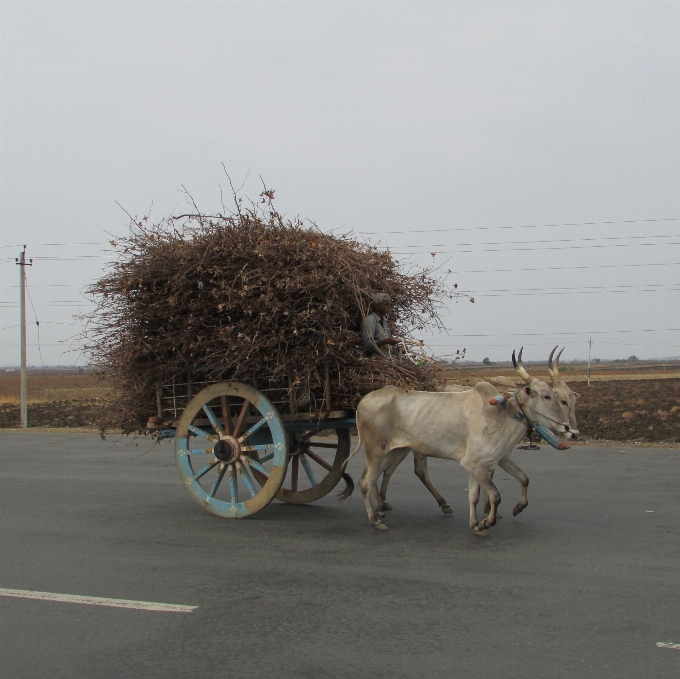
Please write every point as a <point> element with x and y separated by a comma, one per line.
<point>522,416</point>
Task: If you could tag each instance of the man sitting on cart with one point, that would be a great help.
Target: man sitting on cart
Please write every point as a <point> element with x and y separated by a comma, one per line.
<point>376,335</point>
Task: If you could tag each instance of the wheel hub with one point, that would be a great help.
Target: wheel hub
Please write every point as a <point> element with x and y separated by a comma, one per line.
<point>227,449</point>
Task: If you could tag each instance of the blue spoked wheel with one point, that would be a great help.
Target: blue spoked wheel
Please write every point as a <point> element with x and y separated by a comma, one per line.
<point>228,433</point>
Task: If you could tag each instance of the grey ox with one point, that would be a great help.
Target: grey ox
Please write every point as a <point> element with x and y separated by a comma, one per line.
<point>461,426</point>
<point>567,400</point>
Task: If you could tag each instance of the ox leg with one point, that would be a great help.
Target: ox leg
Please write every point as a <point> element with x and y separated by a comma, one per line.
<point>420,469</point>
<point>509,466</point>
<point>487,502</point>
<point>473,498</point>
<point>369,489</point>
<point>384,505</point>
<point>483,476</point>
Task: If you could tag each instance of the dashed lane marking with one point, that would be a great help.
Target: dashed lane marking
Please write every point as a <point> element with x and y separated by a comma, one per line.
<point>661,644</point>
<point>96,601</point>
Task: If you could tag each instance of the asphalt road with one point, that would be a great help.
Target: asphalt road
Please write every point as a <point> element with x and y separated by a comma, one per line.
<point>582,584</point>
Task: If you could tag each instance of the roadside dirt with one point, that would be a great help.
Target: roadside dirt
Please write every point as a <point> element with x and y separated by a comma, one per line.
<point>645,410</point>
<point>65,414</point>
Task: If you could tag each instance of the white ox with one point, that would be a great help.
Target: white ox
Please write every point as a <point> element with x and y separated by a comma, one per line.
<point>456,426</point>
<point>567,401</point>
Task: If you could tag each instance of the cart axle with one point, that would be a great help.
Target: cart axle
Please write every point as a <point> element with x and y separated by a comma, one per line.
<point>227,449</point>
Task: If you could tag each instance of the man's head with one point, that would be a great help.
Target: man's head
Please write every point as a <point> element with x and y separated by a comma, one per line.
<point>380,303</point>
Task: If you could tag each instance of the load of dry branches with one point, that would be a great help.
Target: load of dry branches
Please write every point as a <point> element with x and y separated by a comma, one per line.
<point>249,296</point>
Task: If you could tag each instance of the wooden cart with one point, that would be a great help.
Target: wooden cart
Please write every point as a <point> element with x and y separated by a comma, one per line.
<point>238,446</point>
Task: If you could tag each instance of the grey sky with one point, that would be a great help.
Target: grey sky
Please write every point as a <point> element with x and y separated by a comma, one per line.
<point>449,119</point>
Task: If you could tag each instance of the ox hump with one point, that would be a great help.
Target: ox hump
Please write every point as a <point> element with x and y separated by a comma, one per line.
<point>486,390</point>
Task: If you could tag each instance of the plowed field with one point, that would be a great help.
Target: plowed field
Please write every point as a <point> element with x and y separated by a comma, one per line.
<point>629,410</point>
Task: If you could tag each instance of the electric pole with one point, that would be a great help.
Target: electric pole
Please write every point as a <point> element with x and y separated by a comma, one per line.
<point>590,346</point>
<point>21,262</point>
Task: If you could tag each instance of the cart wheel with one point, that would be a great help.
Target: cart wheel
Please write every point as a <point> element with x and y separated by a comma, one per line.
<point>229,432</point>
<point>315,465</point>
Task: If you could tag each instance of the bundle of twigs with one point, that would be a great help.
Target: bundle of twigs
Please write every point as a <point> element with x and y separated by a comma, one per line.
<point>245,295</point>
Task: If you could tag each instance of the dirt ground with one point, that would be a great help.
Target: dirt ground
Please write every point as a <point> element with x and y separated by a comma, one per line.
<point>639,406</point>
<point>65,414</point>
<point>632,410</point>
<point>53,384</point>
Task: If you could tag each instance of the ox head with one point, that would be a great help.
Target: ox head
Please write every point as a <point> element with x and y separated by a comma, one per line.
<point>542,402</point>
<point>566,397</point>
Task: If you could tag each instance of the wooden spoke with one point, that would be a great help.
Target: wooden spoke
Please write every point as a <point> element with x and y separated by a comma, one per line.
<point>245,475</point>
<point>199,451</point>
<point>308,470</point>
<point>233,485</point>
<point>218,480</point>
<point>255,465</point>
<point>319,460</point>
<point>294,473</point>
<point>259,446</point>
<point>226,414</point>
<point>334,446</point>
<point>200,432</point>
<point>205,470</point>
<point>241,417</point>
<point>252,430</point>
<point>217,425</point>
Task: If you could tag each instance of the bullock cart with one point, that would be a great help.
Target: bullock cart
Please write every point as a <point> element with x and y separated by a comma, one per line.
<point>238,446</point>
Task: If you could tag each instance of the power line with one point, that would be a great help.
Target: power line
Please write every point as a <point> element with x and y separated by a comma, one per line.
<point>63,259</point>
<point>528,242</point>
<point>645,287</point>
<point>576,292</point>
<point>527,226</point>
<point>456,272</point>
<point>558,334</point>
<point>37,322</point>
<point>10,327</point>
<point>564,268</point>
<point>410,254</point>
<point>568,247</point>
<point>47,285</point>
<point>52,245</point>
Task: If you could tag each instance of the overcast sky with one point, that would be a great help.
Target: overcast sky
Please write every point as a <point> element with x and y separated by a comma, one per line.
<point>447,128</point>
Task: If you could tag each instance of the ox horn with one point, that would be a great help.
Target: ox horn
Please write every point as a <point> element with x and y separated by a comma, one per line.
<point>553,367</point>
<point>517,362</point>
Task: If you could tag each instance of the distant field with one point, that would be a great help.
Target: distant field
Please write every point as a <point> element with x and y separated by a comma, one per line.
<point>636,402</point>
<point>575,372</point>
<point>52,385</point>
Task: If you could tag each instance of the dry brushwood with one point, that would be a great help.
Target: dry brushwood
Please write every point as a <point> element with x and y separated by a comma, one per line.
<point>245,296</point>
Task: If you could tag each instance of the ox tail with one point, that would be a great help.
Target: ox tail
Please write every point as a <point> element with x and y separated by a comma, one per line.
<point>349,487</point>
<point>353,453</point>
<point>349,482</point>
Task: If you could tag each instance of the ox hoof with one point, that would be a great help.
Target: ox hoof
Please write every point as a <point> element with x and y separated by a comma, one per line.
<point>386,507</point>
<point>381,526</point>
<point>481,533</point>
<point>447,510</point>
<point>517,509</point>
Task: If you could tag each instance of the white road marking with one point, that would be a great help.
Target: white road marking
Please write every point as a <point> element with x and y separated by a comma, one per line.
<point>661,644</point>
<point>96,601</point>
